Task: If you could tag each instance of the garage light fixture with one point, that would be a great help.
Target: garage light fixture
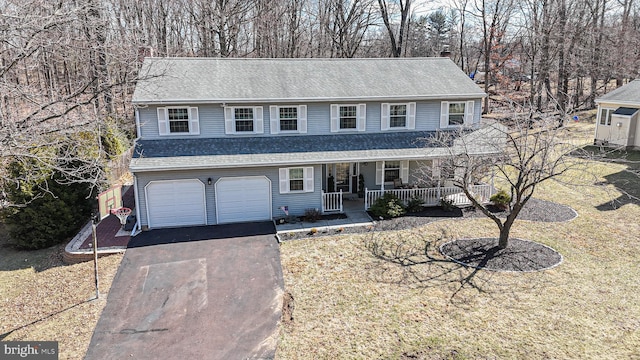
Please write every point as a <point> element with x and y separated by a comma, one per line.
<point>209,181</point>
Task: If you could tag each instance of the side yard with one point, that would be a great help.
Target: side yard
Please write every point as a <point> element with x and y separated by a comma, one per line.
<point>44,299</point>
<point>351,302</point>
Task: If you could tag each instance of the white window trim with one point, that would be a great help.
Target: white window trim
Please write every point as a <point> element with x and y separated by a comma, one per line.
<point>284,183</point>
<point>230,120</point>
<point>404,171</point>
<point>385,117</point>
<point>274,117</point>
<point>164,123</point>
<point>361,117</point>
<point>469,113</point>
<point>610,112</point>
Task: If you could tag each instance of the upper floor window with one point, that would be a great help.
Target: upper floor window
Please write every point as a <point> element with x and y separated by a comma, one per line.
<point>243,120</point>
<point>605,116</point>
<point>348,117</point>
<point>292,119</point>
<point>398,116</point>
<point>178,121</point>
<point>456,113</point>
<point>296,179</point>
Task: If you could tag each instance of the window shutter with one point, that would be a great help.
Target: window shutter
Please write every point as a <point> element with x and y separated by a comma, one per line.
<point>258,123</point>
<point>228,121</point>
<point>274,119</point>
<point>308,179</point>
<point>384,116</point>
<point>284,180</point>
<point>379,173</point>
<point>163,122</point>
<point>468,113</point>
<point>194,126</point>
<point>411,116</point>
<point>404,171</point>
<point>362,117</point>
<point>444,114</point>
<point>335,115</point>
<point>302,119</point>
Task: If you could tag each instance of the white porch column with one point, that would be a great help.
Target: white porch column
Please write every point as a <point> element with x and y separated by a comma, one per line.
<point>382,180</point>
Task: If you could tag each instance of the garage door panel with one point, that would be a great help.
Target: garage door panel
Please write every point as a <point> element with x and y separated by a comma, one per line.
<point>243,199</point>
<point>176,203</point>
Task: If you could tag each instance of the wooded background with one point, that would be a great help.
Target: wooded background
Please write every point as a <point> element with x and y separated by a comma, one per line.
<point>68,68</point>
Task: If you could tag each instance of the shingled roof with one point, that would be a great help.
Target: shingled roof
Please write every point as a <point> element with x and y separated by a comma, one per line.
<point>626,94</point>
<point>232,80</point>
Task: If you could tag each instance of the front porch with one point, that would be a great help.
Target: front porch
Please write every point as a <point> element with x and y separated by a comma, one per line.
<point>431,196</point>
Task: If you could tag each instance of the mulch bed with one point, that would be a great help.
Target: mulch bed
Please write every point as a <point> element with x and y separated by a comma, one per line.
<point>483,253</point>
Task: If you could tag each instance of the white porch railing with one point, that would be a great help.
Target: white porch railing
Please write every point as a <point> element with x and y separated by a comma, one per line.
<point>431,196</point>
<point>332,201</point>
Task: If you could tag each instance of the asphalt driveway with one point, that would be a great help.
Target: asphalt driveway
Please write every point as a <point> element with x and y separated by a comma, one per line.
<point>211,292</point>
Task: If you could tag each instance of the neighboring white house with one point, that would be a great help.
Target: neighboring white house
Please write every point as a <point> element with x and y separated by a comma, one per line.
<point>234,140</point>
<point>617,123</point>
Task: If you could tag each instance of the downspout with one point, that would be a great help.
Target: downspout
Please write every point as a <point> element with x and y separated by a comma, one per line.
<point>137,200</point>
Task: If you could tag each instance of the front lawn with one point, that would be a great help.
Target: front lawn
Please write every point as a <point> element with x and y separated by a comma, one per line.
<point>378,296</point>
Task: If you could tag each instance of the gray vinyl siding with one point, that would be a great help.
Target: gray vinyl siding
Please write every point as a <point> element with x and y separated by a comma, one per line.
<point>297,202</point>
<point>211,117</point>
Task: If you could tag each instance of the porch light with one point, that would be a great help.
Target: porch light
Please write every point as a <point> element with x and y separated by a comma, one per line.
<point>209,181</point>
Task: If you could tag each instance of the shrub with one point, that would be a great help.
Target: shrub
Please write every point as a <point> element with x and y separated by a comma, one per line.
<point>388,206</point>
<point>501,199</point>
<point>48,217</point>
<point>447,204</point>
<point>312,215</point>
<point>414,205</point>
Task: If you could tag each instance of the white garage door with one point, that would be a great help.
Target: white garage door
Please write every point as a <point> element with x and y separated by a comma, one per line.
<point>176,203</point>
<point>240,199</point>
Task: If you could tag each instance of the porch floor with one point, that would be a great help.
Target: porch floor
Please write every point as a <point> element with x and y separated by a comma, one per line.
<point>356,216</point>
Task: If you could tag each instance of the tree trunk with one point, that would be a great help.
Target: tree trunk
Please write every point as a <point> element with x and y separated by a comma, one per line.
<point>503,241</point>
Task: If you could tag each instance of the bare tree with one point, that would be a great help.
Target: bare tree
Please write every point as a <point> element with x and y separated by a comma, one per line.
<point>523,156</point>
<point>397,32</point>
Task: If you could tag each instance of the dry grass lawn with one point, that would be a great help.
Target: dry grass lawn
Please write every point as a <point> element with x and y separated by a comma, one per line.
<point>352,304</point>
<point>42,299</point>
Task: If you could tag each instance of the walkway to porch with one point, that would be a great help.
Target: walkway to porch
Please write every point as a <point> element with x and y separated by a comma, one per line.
<point>353,208</point>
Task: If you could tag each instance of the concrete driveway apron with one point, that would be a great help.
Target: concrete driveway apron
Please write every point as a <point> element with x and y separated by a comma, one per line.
<point>179,298</point>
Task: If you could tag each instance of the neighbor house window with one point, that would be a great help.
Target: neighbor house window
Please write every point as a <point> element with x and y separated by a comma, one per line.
<point>605,116</point>
<point>391,170</point>
<point>178,121</point>
<point>288,119</point>
<point>456,113</point>
<point>243,120</point>
<point>397,116</point>
<point>348,117</point>
<point>296,179</point>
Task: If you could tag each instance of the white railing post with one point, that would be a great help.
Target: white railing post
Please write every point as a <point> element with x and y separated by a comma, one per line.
<point>366,199</point>
<point>324,199</point>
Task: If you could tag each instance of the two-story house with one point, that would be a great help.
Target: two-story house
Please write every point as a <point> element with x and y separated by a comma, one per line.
<point>234,140</point>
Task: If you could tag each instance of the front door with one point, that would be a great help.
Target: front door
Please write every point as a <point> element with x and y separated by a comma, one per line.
<point>343,177</point>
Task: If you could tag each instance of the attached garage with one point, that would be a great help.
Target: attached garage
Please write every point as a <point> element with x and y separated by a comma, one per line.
<point>240,199</point>
<point>172,203</point>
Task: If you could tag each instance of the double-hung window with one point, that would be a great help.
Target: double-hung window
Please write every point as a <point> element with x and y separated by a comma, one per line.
<point>388,171</point>
<point>288,119</point>
<point>391,170</point>
<point>243,120</point>
<point>296,180</point>
<point>348,117</point>
<point>456,113</point>
<point>178,121</point>
<point>605,116</point>
<point>398,116</point>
